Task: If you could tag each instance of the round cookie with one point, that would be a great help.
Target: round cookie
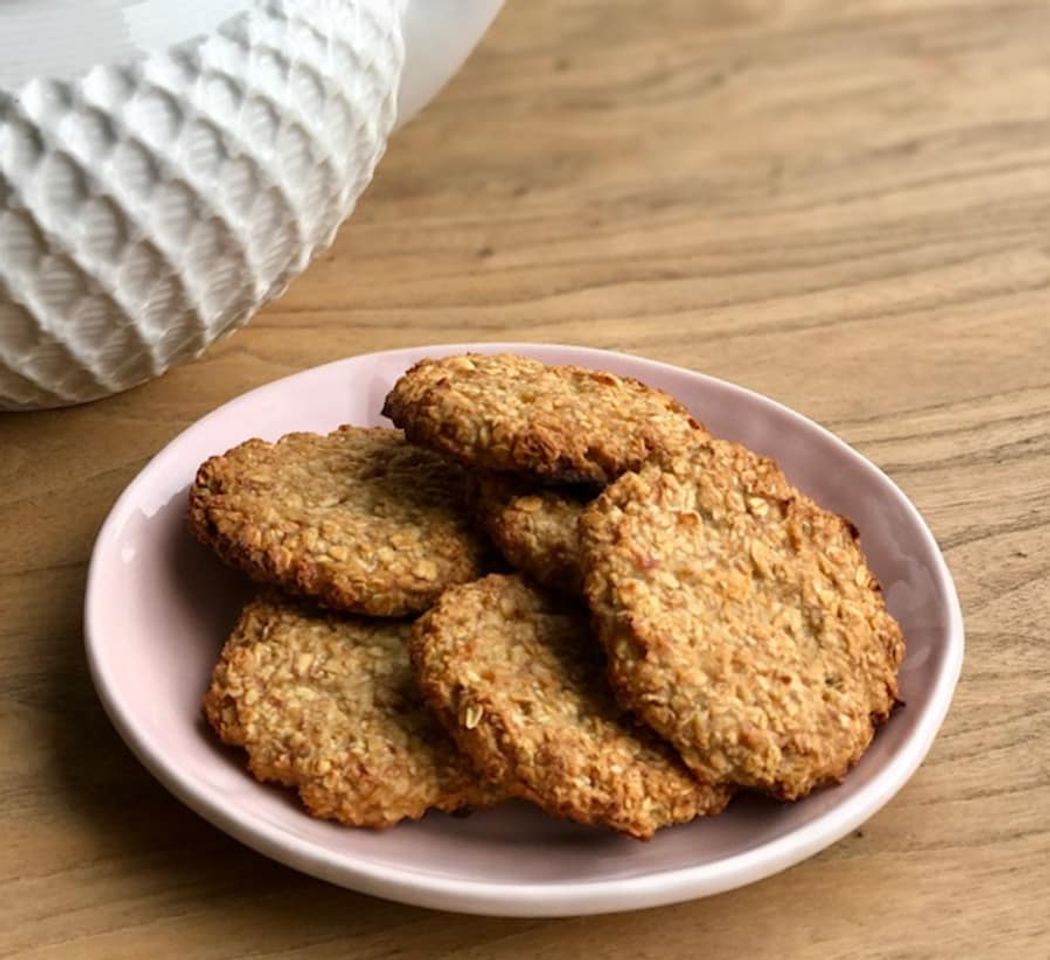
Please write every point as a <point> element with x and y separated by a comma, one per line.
<point>359,519</point>
<point>328,704</point>
<point>535,529</point>
<point>517,679</point>
<point>508,413</point>
<point>740,619</point>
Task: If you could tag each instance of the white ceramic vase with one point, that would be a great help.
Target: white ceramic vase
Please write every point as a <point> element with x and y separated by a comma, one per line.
<point>166,169</point>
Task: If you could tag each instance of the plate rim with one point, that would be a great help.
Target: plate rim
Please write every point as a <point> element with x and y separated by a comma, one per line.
<point>540,898</point>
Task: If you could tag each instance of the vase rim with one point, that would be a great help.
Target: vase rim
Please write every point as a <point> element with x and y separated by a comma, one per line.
<point>63,39</point>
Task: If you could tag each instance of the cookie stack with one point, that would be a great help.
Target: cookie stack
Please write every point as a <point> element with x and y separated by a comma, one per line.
<point>681,622</point>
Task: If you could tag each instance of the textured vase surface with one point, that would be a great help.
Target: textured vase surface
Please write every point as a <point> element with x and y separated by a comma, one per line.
<point>151,204</point>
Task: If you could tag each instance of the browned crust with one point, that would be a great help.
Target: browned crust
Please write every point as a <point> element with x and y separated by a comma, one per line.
<point>504,412</point>
<point>358,519</point>
<point>517,680</point>
<point>534,528</point>
<point>327,704</point>
<point>740,619</point>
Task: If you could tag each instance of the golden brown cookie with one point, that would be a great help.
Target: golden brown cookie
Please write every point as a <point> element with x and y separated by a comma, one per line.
<point>327,703</point>
<point>535,528</point>
<point>360,519</point>
<point>517,679</point>
<point>508,413</point>
<point>740,619</point>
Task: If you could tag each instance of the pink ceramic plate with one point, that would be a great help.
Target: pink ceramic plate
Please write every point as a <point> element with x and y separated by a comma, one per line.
<point>158,607</point>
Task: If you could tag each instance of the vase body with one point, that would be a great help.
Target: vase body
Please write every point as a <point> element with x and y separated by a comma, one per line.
<point>167,169</point>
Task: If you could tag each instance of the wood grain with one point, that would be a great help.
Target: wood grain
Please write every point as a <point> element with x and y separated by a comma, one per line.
<point>844,204</point>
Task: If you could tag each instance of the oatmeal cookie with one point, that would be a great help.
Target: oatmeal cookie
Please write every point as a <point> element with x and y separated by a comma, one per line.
<point>508,413</point>
<point>535,528</point>
<point>517,679</point>
<point>327,703</point>
<point>740,619</point>
<point>359,519</point>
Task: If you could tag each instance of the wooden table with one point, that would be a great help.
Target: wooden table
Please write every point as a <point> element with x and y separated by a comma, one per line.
<point>844,204</point>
